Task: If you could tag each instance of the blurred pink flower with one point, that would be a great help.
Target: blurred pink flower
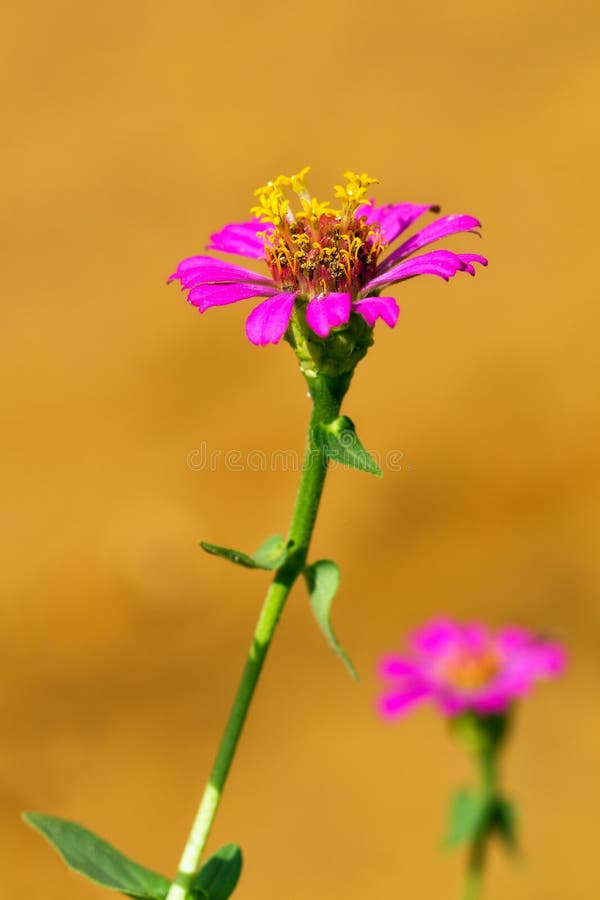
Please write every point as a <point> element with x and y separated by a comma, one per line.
<point>466,667</point>
<point>325,260</point>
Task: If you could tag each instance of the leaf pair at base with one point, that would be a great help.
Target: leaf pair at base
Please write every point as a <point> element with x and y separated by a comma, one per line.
<point>475,816</point>
<point>94,858</point>
<point>270,555</point>
<point>322,578</point>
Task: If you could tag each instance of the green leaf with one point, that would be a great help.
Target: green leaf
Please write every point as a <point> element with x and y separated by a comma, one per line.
<point>468,820</point>
<point>219,876</point>
<point>323,578</point>
<point>270,555</point>
<point>338,440</point>
<point>89,855</point>
<point>504,822</point>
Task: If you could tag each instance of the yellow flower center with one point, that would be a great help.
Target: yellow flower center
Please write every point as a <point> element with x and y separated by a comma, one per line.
<point>318,248</point>
<point>470,669</point>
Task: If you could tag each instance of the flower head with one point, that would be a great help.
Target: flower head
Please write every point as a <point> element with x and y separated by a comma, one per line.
<point>326,267</point>
<point>467,668</point>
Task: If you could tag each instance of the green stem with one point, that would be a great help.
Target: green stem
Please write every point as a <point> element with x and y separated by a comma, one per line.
<point>327,394</point>
<point>475,868</point>
<point>488,776</point>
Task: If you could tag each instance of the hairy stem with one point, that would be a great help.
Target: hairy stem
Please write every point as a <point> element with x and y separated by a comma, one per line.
<point>327,394</point>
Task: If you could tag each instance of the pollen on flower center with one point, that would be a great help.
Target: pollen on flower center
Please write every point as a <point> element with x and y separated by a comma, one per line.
<point>470,669</point>
<point>318,249</point>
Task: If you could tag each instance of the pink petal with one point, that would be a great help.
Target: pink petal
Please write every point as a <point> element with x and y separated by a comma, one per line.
<point>207,295</point>
<point>475,637</point>
<point>399,701</point>
<point>435,637</point>
<point>206,270</point>
<point>268,322</point>
<point>498,695</point>
<point>551,659</point>
<point>396,667</point>
<point>373,308</point>
<point>443,263</point>
<point>451,704</point>
<point>393,218</point>
<point>433,232</point>
<point>473,257</point>
<point>542,660</point>
<point>241,238</point>
<point>328,311</point>
<point>512,637</point>
<point>527,654</point>
<point>493,703</point>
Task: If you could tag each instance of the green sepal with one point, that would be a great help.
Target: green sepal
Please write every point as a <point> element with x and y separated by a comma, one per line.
<point>270,555</point>
<point>323,578</point>
<point>338,441</point>
<point>482,735</point>
<point>468,818</point>
<point>91,856</point>
<point>218,877</point>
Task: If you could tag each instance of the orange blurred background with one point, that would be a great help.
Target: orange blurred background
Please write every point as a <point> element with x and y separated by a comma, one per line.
<point>133,130</point>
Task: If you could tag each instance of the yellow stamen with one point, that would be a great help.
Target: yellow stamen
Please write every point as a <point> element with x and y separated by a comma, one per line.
<point>298,183</point>
<point>352,194</point>
<point>273,205</point>
<point>312,209</point>
<point>317,248</point>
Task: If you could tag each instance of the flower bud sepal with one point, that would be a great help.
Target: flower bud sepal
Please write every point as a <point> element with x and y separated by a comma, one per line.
<point>334,355</point>
<point>482,735</point>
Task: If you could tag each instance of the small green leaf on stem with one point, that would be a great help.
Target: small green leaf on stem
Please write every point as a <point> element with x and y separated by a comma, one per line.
<point>338,440</point>
<point>323,578</point>
<point>94,858</point>
<point>468,819</point>
<point>219,875</point>
<point>270,555</point>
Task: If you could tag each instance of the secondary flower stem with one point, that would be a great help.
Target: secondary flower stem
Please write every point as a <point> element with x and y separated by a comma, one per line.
<point>327,394</point>
<point>475,867</point>
<point>487,765</point>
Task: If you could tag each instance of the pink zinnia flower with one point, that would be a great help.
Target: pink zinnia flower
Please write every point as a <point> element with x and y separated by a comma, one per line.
<point>326,262</point>
<point>467,667</point>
